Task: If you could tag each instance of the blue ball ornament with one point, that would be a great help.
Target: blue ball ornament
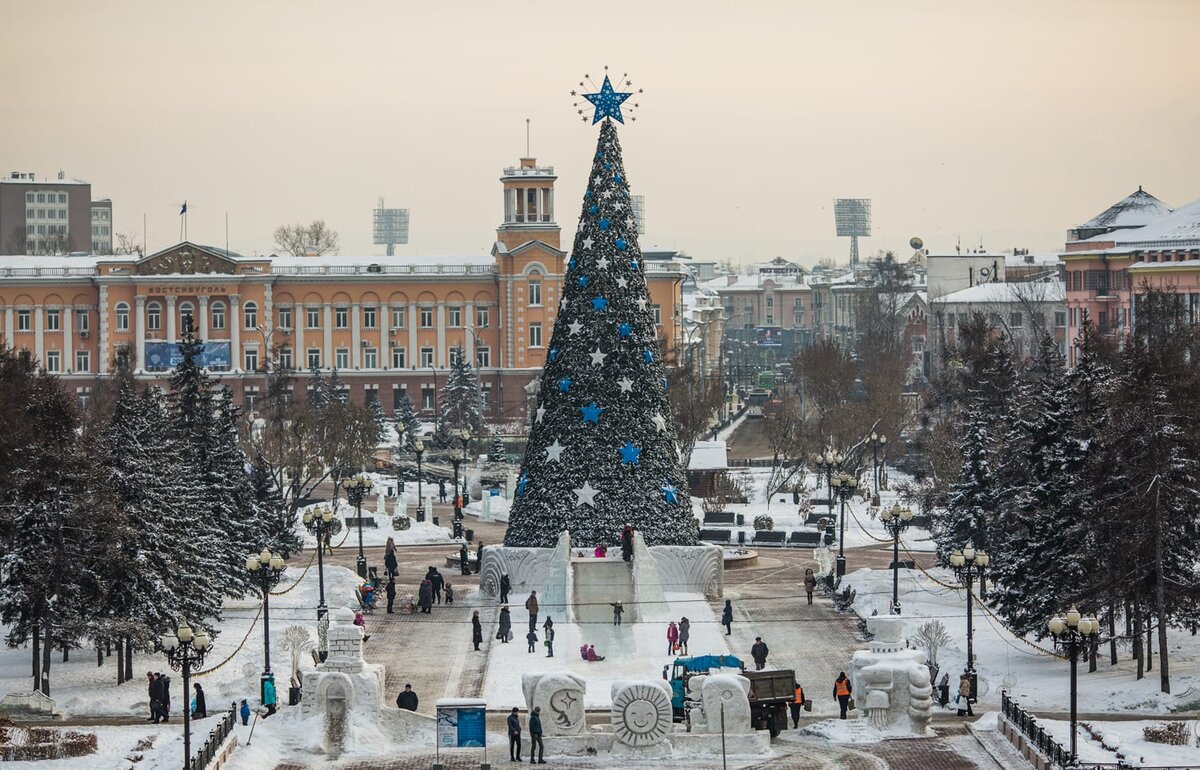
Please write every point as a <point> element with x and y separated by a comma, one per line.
<point>620,244</point>
<point>593,209</point>
<point>583,280</point>
<point>603,224</point>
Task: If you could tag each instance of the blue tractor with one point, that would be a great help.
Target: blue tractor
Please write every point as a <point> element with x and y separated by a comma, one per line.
<point>770,691</point>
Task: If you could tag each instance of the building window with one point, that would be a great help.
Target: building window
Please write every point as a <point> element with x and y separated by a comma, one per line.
<point>53,361</point>
<point>218,315</point>
<point>427,398</point>
<point>535,292</point>
<point>153,316</point>
<point>370,358</point>
<point>53,321</point>
<point>1014,320</point>
<point>249,316</point>
<point>122,318</point>
<point>285,318</point>
<point>29,198</point>
<point>535,335</point>
<point>250,398</point>
<point>398,316</point>
<point>1060,319</point>
<point>285,358</point>
<point>370,318</point>
<point>341,358</point>
<point>84,395</point>
<point>398,358</point>
<point>312,317</point>
<point>341,317</point>
<point>481,317</point>
<point>250,359</point>
<point>426,318</point>
<point>83,361</point>
<point>371,397</point>
<point>658,315</point>
<point>483,358</point>
<point>398,396</point>
<point>770,302</point>
<point>186,314</point>
<point>314,358</point>
<point>455,316</point>
<point>426,357</point>
<point>770,319</point>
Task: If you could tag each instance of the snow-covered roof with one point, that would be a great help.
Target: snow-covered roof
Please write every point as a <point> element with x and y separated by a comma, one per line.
<point>708,456</point>
<point>1180,227</point>
<point>25,260</point>
<point>754,282</point>
<point>1151,266</point>
<point>1002,293</point>
<point>1134,210</point>
<point>1025,260</point>
<point>397,260</point>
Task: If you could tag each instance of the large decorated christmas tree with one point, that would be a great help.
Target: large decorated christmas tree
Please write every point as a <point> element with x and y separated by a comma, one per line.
<point>602,451</point>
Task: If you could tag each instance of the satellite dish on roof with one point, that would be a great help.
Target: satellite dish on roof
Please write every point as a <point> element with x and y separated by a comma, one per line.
<point>916,242</point>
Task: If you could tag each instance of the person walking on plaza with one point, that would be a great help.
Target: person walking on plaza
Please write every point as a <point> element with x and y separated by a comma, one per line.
<point>548,632</point>
<point>391,567</point>
<point>535,736</point>
<point>407,699</point>
<point>425,596</point>
<point>476,630</point>
<point>759,651</point>
<point>199,708</point>
<point>391,593</point>
<point>842,691</point>
<point>505,625</point>
<point>438,582</point>
<point>618,609</point>
<point>505,587</point>
<point>245,712</point>
<point>479,557</point>
<point>727,617</point>
<point>672,637</point>
<point>532,639</point>
<point>685,630</point>
<point>268,689</point>
<point>627,543</point>
<point>964,695</point>
<point>796,705</point>
<point>514,736</point>
<point>531,604</point>
<point>152,691</point>
<point>441,490</point>
<point>164,695</point>
<point>810,584</point>
<point>449,594</point>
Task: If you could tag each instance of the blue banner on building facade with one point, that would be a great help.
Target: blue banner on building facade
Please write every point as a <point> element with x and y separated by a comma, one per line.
<point>161,356</point>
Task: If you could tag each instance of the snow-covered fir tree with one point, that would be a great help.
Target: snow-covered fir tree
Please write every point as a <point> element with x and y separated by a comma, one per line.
<point>601,450</point>
<point>407,416</point>
<point>461,400</point>
<point>496,453</point>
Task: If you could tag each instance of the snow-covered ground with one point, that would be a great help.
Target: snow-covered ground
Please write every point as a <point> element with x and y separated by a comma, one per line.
<point>80,688</point>
<point>1038,680</point>
<point>631,651</point>
<point>1130,742</point>
<point>418,533</point>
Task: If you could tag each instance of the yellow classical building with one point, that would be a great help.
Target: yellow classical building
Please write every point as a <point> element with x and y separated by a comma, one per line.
<point>386,324</point>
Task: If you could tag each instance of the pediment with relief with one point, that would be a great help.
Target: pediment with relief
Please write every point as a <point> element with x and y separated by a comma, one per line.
<point>185,259</point>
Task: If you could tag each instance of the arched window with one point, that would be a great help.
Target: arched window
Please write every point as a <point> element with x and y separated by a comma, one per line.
<point>535,288</point>
<point>153,316</point>
<point>218,315</point>
<point>249,315</point>
<point>187,316</point>
<point>122,317</point>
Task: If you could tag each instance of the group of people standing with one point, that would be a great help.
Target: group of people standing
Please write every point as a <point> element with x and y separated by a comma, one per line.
<point>159,690</point>
<point>677,637</point>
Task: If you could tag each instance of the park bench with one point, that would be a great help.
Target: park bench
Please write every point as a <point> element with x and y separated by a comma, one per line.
<point>770,538</point>
<point>715,535</point>
<point>720,517</point>
<point>805,539</point>
<point>367,521</point>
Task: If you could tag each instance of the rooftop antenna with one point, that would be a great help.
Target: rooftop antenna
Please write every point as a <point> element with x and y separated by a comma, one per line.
<point>526,137</point>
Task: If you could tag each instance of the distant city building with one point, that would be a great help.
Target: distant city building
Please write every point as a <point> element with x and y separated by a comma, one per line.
<point>638,204</point>
<point>1025,312</point>
<point>102,234</point>
<point>46,216</point>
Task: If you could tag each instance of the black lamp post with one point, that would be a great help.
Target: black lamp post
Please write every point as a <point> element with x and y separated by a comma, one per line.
<point>399,451</point>
<point>185,650</point>
<point>418,450</point>
<point>457,455</point>
<point>843,486</point>
<point>1073,633</point>
<point>265,569</point>
<point>895,521</point>
<point>969,564</point>
<point>827,464</point>
<point>320,522</point>
<point>877,442</point>
<point>356,488</point>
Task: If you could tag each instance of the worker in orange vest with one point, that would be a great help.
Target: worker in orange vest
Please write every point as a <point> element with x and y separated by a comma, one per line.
<point>797,704</point>
<point>842,691</point>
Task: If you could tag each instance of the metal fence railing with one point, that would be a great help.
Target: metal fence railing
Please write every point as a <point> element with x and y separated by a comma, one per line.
<point>216,737</point>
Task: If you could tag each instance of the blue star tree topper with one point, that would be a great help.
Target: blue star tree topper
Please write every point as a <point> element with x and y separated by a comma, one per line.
<point>608,102</point>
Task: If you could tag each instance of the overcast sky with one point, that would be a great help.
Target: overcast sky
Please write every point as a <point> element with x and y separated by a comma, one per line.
<point>1006,122</point>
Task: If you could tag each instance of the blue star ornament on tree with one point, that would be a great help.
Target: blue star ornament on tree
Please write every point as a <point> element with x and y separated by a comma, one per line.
<point>591,413</point>
<point>670,492</point>
<point>521,484</point>
<point>608,103</point>
<point>629,453</point>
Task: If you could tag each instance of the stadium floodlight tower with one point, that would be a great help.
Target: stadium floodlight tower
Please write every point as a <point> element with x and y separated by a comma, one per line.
<point>390,227</point>
<point>853,219</point>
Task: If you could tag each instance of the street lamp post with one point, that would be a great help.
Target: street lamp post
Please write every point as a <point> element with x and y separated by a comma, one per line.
<point>356,488</point>
<point>827,464</point>
<point>265,568</point>
<point>418,450</point>
<point>895,520</point>
<point>1073,633</point>
<point>400,429</point>
<point>186,649</point>
<point>843,486</point>
<point>877,442</point>
<point>969,564</point>
<point>320,522</point>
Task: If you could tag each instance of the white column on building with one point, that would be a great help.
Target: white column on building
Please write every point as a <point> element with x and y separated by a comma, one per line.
<point>202,327</point>
<point>171,334</point>
<point>139,331</point>
<point>414,360</point>
<point>442,354</point>
<point>512,204</point>
<point>327,328</point>
<point>550,203</point>
<point>299,354</point>
<point>66,323</point>
<point>102,323</point>
<point>235,332</point>
<point>39,334</point>
<point>355,335</point>
<point>468,335</point>
<point>384,314</point>
<point>10,338</point>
